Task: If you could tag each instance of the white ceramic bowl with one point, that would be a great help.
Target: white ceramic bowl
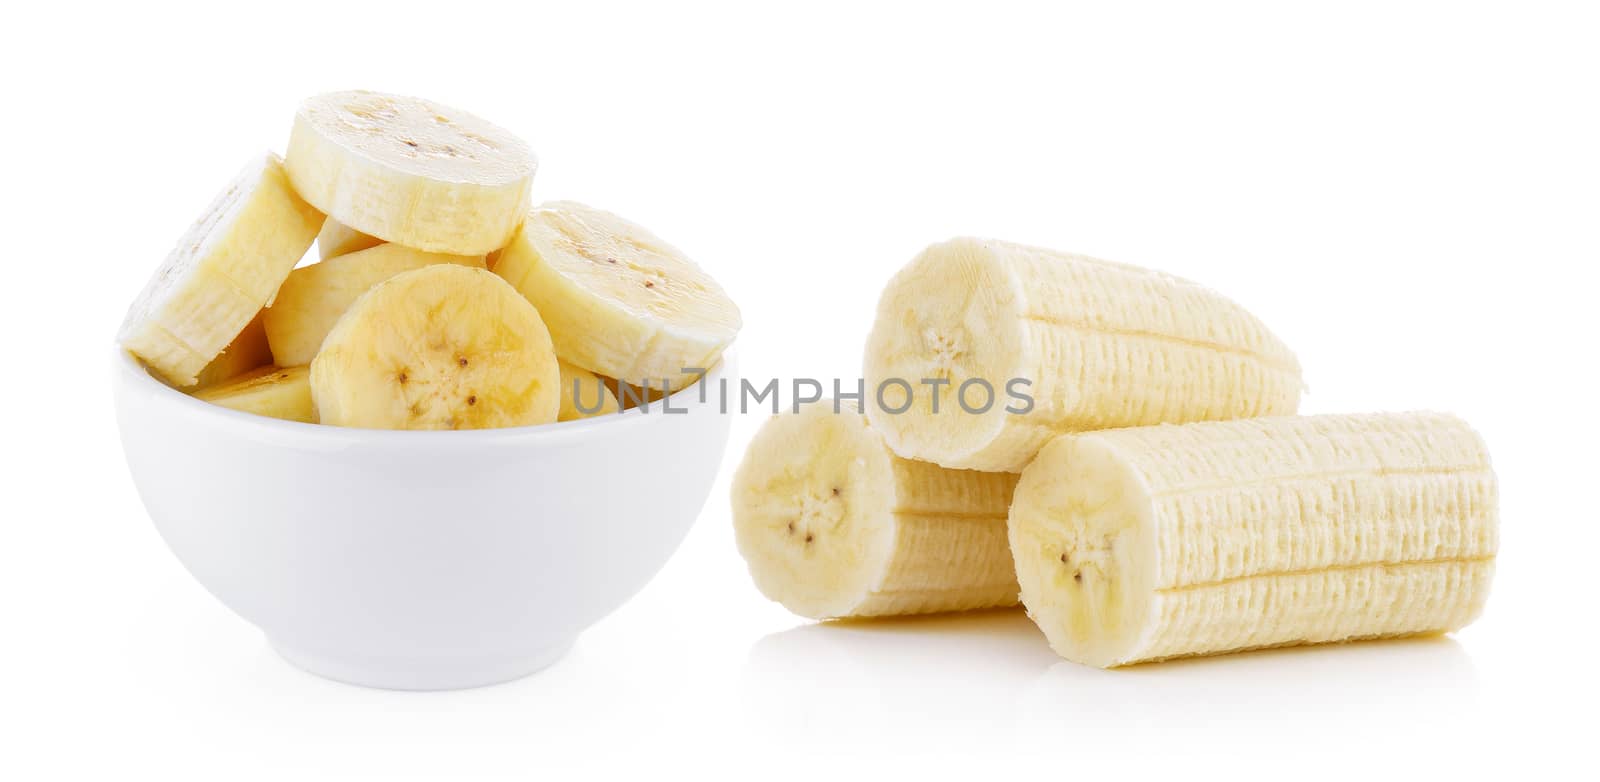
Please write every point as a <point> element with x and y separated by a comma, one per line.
<point>419,560</point>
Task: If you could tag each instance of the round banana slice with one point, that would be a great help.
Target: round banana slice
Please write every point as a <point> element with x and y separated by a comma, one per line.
<point>584,394</point>
<point>223,271</point>
<point>246,353</point>
<point>313,297</point>
<point>832,524</point>
<point>618,300</point>
<point>410,171</point>
<point>337,239</point>
<point>442,347</point>
<point>270,391</point>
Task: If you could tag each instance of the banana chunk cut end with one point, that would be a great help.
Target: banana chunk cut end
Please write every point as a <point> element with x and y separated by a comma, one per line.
<point>833,525</point>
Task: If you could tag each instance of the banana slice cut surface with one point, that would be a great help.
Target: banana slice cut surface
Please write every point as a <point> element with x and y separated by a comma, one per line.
<point>223,271</point>
<point>313,297</point>
<point>619,301</point>
<point>337,239</point>
<point>279,393</point>
<point>442,347</point>
<point>584,394</point>
<point>410,171</point>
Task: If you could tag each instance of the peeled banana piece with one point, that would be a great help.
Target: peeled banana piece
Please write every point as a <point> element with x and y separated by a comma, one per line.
<point>1150,543</point>
<point>313,297</point>
<point>832,524</point>
<point>247,352</point>
<point>410,171</point>
<point>1092,344</point>
<point>441,347</point>
<point>583,394</point>
<point>223,271</point>
<point>619,301</point>
<point>270,391</point>
<point>337,239</point>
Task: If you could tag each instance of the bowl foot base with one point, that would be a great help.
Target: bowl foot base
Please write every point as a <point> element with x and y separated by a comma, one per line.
<point>421,673</point>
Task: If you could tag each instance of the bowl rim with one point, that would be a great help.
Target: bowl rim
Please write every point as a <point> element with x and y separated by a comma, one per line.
<point>132,373</point>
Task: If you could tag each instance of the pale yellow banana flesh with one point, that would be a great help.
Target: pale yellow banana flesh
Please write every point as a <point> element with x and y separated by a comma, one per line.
<point>246,353</point>
<point>1101,345</point>
<point>410,171</point>
<point>833,525</point>
<point>313,297</point>
<point>1157,542</point>
<point>222,272</point>
<point>619,301</point>
<point>441,347</point>
<point>337,239</point>
<point>583,394</point>
<point>269,391</point>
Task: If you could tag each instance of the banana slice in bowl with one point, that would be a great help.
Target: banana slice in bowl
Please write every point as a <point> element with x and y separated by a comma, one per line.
<point>619,301</point>
<point>410,171</point>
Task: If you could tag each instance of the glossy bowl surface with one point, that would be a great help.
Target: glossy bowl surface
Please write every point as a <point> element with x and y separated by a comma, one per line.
<point>420,560</point>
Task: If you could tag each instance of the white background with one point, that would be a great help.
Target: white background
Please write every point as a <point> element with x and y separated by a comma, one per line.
<point>1407,193</point>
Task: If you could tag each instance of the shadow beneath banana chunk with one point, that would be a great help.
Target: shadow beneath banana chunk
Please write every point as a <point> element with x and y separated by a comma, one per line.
<point>1426,678</point>
<point>863,680</point>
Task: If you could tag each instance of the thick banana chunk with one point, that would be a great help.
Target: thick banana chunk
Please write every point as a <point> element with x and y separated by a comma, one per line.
<point>246,353</point>
<point>223,271</point>
<point>1092,344</point>
<point>832,524</point>
<point>1156,542</point>
<point>410,171</point>
<point>579,386</point>
<point>313,297</point>
<point>618,300</point>
<point>442,347</point>
<point>270,391</point>
<point>337,239</point>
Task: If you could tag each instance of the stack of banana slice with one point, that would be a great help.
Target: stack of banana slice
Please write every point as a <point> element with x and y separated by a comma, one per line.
<point>404,323</point>
<point>1149,492</point>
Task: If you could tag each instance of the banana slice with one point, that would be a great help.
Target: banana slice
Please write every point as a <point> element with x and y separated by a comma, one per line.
<point>619,301</point>
<point>223,271</point>
<point>410,171</point>
<point>313,297</point>
<point>246,353</point>
<point>629,396</point>
<point>832,524</point>
<point>1156,542</point>
<point>270,391</point>
<point>579,386</point>
<point>1031,343</point>
<point>338,239</point>
<point>441,347</point>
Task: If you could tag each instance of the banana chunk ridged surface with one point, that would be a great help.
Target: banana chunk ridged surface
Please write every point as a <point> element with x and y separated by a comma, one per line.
<point>832,524</point>
<point>1099,344</point>
<point>441,347</point>
<point>222,272</point>
<point>410,171</point>
<point>1149,543</point>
